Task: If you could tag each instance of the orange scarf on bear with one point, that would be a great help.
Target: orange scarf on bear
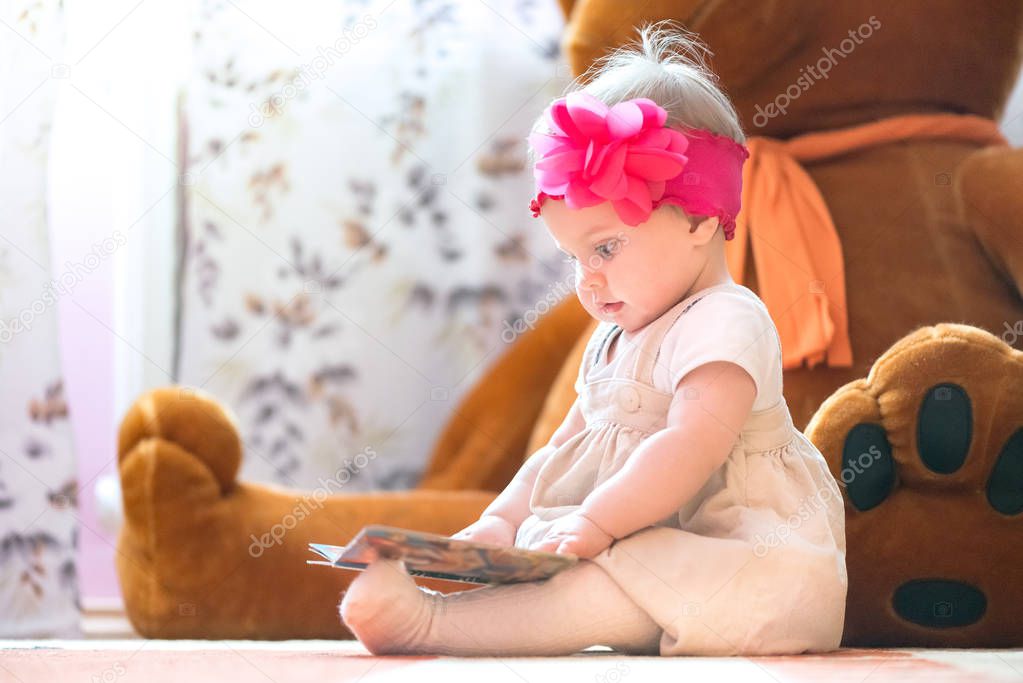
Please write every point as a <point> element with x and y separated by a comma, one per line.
<point>796,249</point>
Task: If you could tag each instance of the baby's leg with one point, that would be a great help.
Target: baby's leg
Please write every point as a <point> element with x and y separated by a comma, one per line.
<point>576,608</point>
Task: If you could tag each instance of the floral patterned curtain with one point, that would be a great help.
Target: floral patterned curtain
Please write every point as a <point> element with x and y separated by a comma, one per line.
<point>38,530</point>
<point>358,247</point>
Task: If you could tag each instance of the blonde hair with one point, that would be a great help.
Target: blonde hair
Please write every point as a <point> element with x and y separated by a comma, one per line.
<point>667,65</point>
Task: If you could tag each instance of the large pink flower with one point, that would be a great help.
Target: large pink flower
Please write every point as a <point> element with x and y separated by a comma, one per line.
<point>622,154</point>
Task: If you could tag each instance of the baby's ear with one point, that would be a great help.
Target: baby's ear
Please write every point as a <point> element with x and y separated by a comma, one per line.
<point>704,228</point>
<point>694,219</point>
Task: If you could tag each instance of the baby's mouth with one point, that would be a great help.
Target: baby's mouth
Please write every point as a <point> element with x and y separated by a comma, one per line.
<point>612,307</point>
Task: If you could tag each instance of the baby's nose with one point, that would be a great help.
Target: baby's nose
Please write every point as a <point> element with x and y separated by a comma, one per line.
<point>591,278</point>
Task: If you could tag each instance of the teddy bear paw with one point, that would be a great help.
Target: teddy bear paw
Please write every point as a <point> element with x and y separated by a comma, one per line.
<point>929,452</point>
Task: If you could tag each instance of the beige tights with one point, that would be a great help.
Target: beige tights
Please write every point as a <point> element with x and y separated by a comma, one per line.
<point>576,608</point>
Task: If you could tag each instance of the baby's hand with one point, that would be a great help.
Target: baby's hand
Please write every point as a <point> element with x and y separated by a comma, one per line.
<point>488,529</point>
<point>574,534</point>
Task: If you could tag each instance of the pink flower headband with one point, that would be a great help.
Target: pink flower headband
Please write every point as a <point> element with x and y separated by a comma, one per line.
<point>624,154</point>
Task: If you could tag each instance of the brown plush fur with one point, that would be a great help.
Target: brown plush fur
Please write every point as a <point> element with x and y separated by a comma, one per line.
<point>930,233</point>
<point>186,559</point>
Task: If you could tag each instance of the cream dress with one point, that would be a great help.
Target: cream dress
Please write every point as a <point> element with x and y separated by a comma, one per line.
<point>754,563</point>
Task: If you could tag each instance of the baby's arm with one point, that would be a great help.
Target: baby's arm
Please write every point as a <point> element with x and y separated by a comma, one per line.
<point>670,467</point>
<point>513,503</point>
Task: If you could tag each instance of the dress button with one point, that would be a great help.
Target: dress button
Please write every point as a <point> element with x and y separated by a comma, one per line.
<point>628,399</point>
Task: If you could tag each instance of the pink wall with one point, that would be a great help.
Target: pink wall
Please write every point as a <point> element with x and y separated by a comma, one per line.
<point>87,360</point>
<point>81,217</point>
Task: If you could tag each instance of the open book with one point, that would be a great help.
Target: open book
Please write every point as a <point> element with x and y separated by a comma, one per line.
<point>441,557</point>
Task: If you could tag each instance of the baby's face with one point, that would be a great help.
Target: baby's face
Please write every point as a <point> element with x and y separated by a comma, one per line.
<point>640,271</point>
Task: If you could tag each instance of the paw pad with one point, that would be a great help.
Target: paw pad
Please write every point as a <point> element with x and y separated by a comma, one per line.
<point>944,430</point>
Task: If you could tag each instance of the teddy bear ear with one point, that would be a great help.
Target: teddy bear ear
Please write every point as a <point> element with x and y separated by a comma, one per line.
<point>769,30</point>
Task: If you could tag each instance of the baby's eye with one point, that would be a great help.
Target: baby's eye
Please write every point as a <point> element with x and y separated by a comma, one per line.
<point>607,249</point>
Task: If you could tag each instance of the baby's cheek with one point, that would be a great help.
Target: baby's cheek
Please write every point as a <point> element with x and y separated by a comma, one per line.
<point>586,299</point>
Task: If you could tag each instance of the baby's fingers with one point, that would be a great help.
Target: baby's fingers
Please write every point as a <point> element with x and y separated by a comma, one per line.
<point>546,544</point>
<point>568,546</point>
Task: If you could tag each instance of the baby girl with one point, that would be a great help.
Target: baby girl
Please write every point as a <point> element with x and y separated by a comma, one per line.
<point>705,522</point>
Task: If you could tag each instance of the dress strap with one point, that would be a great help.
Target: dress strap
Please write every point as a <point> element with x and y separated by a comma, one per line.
<point>603,342</point>
<point>649,352</point>
<point>594,345</point>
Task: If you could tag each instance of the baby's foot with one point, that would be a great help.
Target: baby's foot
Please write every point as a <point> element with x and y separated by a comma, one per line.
<point>385,609</point>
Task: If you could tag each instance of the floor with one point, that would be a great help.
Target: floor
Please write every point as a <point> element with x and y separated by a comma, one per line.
<point>110,651</point>
<point>157,661</point>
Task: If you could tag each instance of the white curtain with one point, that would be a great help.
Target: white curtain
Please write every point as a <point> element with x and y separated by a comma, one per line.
<point>38,488</point>
<point>357,240</point>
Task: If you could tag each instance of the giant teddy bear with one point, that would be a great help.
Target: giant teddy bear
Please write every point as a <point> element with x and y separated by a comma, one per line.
<point>896,238</point>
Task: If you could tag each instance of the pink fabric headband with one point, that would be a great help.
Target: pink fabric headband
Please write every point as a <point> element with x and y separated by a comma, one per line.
<point>624,154</point>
